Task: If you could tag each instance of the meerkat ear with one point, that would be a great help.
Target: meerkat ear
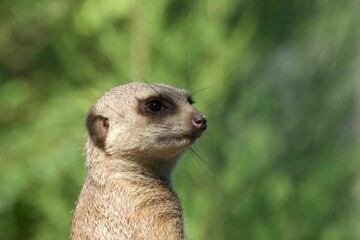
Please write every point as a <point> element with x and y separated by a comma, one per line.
<point>98,127</point>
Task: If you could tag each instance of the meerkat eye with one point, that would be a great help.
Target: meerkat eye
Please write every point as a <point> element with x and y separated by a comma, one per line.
<point>155,106</point>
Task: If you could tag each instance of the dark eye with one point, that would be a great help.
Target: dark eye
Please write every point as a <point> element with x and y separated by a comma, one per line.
<point>154,106</point>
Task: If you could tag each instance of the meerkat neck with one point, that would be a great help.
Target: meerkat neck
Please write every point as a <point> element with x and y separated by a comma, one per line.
<point>103,167</point>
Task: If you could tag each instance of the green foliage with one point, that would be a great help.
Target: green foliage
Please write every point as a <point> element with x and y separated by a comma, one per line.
<point>278,81</point>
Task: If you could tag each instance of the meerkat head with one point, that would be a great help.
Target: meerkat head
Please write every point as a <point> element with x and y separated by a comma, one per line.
<point>144,121</point>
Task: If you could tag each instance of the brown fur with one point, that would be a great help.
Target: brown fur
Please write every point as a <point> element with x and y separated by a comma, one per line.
<point>130,153</point>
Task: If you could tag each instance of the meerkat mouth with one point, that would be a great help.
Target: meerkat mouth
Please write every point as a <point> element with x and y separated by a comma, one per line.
<point>182,137</point>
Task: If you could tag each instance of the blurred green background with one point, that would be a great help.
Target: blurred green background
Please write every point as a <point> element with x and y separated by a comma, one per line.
<point>278,81</point>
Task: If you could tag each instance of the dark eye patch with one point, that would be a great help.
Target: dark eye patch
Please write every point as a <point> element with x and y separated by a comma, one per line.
<point>156,106</point>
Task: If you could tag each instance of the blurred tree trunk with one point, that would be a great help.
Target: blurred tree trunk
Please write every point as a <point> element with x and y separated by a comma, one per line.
<point>139,43</point>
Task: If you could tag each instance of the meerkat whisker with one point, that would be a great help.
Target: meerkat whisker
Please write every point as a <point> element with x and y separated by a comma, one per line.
<point>202,89</point>
<point>200,160</point>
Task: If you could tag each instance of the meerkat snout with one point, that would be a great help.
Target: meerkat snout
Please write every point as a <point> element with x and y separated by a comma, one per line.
<point>136,133</point>
<point>200,122</point>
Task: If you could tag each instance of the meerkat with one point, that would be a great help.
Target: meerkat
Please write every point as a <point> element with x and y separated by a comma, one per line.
<point>136,134</point>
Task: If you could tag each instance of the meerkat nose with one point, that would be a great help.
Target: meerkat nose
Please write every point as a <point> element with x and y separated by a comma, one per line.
<point>200,122</point>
